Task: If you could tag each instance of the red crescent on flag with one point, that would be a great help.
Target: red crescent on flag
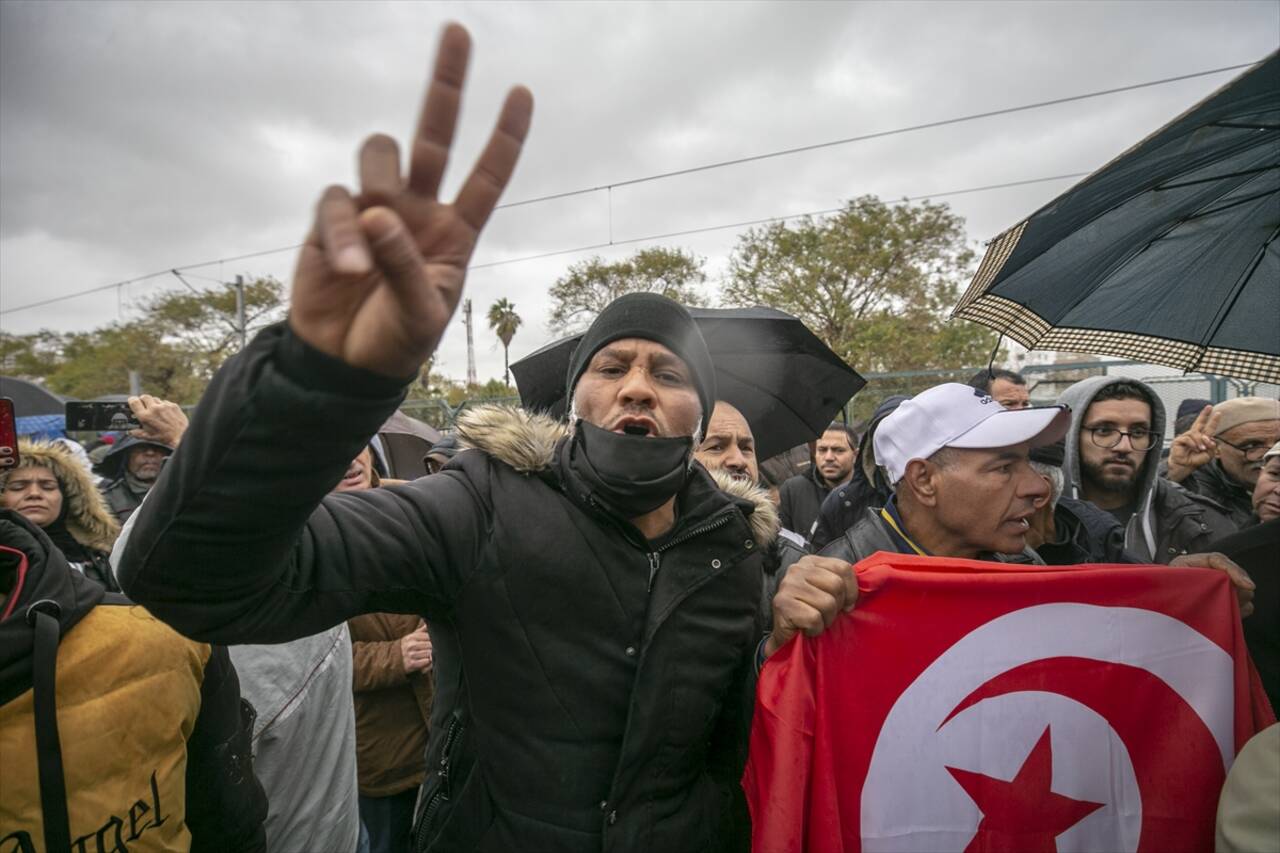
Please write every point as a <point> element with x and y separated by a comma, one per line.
<point>1139,707</point>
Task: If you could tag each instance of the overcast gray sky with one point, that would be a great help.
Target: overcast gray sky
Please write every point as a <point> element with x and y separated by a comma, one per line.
<point>135,137</point>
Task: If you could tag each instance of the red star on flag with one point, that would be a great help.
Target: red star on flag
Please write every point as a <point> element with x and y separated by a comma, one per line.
<point>1022,814</point>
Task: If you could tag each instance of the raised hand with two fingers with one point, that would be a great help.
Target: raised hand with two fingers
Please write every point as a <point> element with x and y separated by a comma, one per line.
<point>381,273</point>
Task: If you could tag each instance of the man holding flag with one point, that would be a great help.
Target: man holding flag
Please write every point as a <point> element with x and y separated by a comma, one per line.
<point>972,703</point>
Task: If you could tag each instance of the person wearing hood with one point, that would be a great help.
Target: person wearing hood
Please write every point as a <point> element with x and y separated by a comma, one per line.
<point>1220,456</point>
<point>801,496</point>
<point>867,488</point>
<point>132,464</point>
<point>1111,459</point>
<point>117,732</point>
<point>54,491</point>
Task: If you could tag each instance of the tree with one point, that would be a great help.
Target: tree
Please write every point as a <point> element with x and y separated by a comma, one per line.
<point>176,345</point>
<point>581,293</point>
<point>504,321</point>
<point>874,281</point>
<point>91,364</point>
<point>204,323</point>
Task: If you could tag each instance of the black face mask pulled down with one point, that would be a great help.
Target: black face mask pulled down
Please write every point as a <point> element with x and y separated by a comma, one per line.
<point>629,475</point>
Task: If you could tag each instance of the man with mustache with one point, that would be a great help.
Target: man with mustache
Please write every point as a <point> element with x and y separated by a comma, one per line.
<point>963,486</point>
<point>1220,457</point>
<point>1112,456</point>
<point>593,596</point>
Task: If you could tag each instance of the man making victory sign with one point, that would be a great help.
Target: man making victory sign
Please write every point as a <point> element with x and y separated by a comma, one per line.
<point>592,593</point>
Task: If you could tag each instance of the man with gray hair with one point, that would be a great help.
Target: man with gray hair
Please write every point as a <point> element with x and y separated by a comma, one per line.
<point>1067,532</point>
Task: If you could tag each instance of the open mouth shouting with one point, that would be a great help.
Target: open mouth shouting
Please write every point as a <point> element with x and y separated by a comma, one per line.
<point>635,425</point>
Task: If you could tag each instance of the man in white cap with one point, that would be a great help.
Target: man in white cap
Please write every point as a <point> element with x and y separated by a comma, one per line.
<point>1221,455</point>
<point>963,487</point>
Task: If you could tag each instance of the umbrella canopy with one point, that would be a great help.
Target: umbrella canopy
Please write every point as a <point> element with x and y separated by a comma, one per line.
<point>786,382</point>
<point>405,441</point>
<point>401,424</point>
<point>1168,254</point>
<point>30,399</point>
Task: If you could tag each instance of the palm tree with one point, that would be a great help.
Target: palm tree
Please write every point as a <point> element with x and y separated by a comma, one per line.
<point>504,321</point>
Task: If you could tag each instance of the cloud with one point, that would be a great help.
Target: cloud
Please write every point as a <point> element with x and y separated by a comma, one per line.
<point>139,136</point>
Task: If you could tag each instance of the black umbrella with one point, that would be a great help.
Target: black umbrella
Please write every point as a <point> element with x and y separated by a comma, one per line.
<point>786,382</point>
<point>30,399</point>
<point>1168,254</point>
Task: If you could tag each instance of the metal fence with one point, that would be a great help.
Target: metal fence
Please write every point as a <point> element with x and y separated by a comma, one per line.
<point>1045,382</point>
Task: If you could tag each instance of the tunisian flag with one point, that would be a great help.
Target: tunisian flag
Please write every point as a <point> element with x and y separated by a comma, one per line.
<point>977,706</point>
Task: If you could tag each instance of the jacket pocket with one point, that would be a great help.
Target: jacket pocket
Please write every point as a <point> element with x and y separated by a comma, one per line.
<point>454,795</point>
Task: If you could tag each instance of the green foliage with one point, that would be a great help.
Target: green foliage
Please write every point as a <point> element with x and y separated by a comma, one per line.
<point>874,281</point>
<point>176,345</point>
<point>580,294</point>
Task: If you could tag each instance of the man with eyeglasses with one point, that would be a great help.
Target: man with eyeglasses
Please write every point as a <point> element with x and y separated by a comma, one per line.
<point>1220,457</point>
<point>1111,459</point>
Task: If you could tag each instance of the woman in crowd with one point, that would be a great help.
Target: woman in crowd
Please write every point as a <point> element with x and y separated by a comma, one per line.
<point>54,491</point>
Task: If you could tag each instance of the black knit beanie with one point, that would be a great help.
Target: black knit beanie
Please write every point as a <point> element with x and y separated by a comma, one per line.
<point>653,318</point>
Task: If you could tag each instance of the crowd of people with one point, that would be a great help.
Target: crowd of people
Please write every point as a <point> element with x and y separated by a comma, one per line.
<point>551,640</point>
<point>323,665</point>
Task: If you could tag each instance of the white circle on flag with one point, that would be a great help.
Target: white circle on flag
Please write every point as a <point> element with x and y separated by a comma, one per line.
<point>910,802</point>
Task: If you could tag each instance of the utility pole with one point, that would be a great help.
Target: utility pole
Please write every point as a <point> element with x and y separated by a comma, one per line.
<point>471,347</point>
<point>240,323</point>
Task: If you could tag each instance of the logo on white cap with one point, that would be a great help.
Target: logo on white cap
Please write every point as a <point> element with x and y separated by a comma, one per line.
<point>955,415</point>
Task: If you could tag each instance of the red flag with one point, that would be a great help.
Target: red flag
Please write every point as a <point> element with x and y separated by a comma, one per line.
<point>979,706</point>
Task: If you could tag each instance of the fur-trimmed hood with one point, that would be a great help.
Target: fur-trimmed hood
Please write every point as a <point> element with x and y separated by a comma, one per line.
<point>527,442</point>
<point>88,519</point>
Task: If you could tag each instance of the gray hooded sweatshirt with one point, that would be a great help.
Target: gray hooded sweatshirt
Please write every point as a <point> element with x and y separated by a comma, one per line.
<point>1169,521</point>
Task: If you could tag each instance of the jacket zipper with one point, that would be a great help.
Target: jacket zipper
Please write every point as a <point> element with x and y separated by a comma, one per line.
<point>443,792</point>
<point>655,557</point>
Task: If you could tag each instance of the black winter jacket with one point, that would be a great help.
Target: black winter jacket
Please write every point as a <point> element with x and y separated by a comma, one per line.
<point>1085,534</point>
<point>593,689</point>
<point>1186,523</point>
<point>800,498</point>
<point>1211,482</point>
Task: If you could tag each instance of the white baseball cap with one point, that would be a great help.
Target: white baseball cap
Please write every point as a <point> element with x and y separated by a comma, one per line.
<point>955,415</point>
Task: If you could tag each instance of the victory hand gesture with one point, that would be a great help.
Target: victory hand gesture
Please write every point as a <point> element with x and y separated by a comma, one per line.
<point>1195,447</point>
<point>380,274</point>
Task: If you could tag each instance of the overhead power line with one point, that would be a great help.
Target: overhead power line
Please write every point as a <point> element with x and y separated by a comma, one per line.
<point>767,220</point>
<point>876,135</point>
<point>688,171</point>
<point>169,271</point>
<point>586,248</point>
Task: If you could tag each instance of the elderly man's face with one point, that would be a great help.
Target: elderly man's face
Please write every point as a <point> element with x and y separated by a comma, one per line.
<point>1250,437</point>
<point>1010,395</point>
<point>638,387</point>
<point>729,445</point>
<point>1266,493</point>
<point>144,462</point>
<point>986,498</point>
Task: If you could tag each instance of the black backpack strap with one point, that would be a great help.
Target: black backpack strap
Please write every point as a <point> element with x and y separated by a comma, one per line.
<point>43,617</point>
